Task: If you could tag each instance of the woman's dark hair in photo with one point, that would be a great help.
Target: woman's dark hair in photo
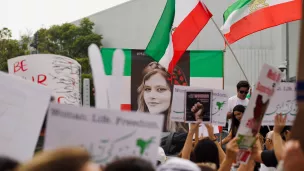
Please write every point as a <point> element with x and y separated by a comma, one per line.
<point>8,164</point>
<point>235,122</point>
<point>129,164</point>
<point>206,151</point>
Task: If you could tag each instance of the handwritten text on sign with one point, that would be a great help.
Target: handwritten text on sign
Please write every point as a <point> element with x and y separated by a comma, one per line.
<point>283,101</point>
<point>59,73</point>
<point>107,135</point>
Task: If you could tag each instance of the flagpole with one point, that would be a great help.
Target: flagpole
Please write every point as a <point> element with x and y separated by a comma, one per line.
<point>226,41</point>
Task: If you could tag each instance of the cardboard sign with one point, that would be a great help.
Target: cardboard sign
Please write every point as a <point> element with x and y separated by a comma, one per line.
<point>219,107</point>
<point>61,74</point>
<point>178,103</point>
<point>251,121</point>
<point>106,134</point>
<point>22,110</point>
<point>283,101</point>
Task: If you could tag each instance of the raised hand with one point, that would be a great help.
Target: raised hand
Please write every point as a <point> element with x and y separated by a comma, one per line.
<point>279,123</point>
<point>197,109</point>
<point>232,149</point>
<point>210,130</point>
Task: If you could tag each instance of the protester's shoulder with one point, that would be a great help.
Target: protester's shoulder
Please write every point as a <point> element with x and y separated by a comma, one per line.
<point>232,98</point>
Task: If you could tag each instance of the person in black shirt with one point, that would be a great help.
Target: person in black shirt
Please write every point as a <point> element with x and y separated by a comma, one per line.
<point>269,159</point>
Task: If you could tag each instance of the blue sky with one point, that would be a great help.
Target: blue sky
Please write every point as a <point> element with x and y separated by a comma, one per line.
<point>23,15</point>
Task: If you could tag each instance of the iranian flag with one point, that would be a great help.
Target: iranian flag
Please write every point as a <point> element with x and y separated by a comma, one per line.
<point>245,17</point>
<point>180,23</point>
<point>202,68</point>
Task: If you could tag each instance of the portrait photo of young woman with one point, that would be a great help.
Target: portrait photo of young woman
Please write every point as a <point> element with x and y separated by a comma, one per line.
<point>151,87</point>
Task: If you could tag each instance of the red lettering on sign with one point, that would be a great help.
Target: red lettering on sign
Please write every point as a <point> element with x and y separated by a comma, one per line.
<point>264,89</point>
<point>20,66</point>
<point>273,75</point>
<point>41,78</point>
<point>59,99</point>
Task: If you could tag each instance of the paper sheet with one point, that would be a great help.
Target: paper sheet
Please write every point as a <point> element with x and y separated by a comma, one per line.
<point>106,134</point>
<point>22,109</point>
<point>283,101</point>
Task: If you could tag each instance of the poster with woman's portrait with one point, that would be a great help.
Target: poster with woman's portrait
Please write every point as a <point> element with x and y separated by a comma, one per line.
<point>152,86</point>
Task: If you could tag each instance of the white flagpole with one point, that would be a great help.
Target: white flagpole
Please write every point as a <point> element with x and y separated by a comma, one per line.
<point>230,48</point>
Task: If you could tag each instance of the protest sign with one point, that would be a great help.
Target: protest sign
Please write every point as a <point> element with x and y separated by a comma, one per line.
<point>18,66</point>
<point>283,101</point>
<point>61,74</point>
<point>178,103</point>
<point>198,105</point>
<point>219,107</point>
<point>22,110</point>
<point>106,134</point>
<point>108,90</point>
<point>252,119</point>
<point>219,104</point>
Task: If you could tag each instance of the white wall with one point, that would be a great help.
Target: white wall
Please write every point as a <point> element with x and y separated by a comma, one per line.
<point>131,25</point>
<point>294,37</point>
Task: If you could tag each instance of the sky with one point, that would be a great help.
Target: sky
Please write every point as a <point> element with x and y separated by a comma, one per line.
<point>23,16</point>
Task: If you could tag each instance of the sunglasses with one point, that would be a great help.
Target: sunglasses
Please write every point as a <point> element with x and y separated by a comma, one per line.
<point>243,92</point>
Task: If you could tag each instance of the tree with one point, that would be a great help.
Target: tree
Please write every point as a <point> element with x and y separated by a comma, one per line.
<point>85,65</point>
<point>68,39</point>
<point>10,48</point>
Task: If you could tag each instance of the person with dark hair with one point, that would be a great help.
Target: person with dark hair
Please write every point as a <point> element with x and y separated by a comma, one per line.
<point>155,93</point>
<point>8,164</point>
<point>206,151</point>
<point>129,164</point>
<point>238,112</point>
<point>240,99</point>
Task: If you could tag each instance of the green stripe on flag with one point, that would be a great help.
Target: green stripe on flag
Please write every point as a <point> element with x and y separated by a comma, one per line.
<point>161,36</point>
<point>206,63</point>
<point>107,57</point>
<point>235,6</point>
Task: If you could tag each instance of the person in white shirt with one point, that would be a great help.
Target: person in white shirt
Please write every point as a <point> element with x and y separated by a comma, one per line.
<point>240,99</point>
<point>269,146</point>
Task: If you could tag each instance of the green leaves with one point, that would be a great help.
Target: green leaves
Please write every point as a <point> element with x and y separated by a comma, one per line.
<point>68,39</point>
<point>10,48</point>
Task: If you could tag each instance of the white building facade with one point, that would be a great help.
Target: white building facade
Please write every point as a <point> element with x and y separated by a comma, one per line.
<point>130,25</point>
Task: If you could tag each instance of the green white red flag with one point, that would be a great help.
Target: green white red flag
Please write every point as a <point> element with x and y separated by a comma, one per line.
<point>180,23</point>
<point>245,17</point>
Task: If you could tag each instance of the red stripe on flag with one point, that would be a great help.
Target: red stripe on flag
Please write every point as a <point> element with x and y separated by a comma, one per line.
<point>125,107</point>
<point>265,18</point>
<point>187,31</point>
